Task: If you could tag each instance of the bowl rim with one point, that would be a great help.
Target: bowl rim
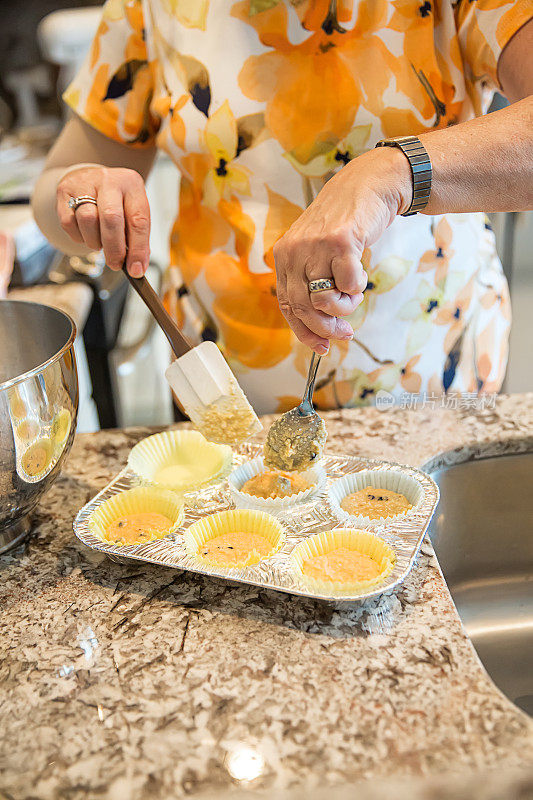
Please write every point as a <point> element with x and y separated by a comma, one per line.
<point>35,371</point>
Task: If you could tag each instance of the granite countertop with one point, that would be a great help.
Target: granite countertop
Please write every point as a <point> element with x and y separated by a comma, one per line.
<point>132,681</point>
<point>74,298</point>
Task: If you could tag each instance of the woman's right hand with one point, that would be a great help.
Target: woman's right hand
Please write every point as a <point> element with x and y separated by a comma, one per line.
<point>120,223</point>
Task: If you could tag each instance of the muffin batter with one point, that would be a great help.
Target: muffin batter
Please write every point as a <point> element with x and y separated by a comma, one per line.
<point>37,457</point>
<point>27,429</point>
<point>375,503</point>
<point>270,485</point>
<point>294,441</point>
<point>137,528</point>
<point>229,420</point>
<point>341,566</point>
<point>236,547</point>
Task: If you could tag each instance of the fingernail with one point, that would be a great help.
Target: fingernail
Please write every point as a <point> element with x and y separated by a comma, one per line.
<point>136,269</point>
<point>322,349</point>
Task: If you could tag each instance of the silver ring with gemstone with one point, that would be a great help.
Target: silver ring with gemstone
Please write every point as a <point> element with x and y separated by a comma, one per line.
<point>75,202</point>
<point>321,285</point>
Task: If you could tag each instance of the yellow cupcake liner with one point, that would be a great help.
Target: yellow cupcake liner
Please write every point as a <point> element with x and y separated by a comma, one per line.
<point>315,477</point>
<point>61,427</point>
<point>135,501</point>
<point>391,479</point>
<point>353,539</point>
<point>37,460</point>
<point>170,448</point>
<point>227,522</point>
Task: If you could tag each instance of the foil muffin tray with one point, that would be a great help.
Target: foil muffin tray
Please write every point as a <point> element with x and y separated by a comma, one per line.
<point>403,534</point>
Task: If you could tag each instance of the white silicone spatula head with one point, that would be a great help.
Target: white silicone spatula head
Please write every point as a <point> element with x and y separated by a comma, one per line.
<point>201,379</point>
<point>210,395</point>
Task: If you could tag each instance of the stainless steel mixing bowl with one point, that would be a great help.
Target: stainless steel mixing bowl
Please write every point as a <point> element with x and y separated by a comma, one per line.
<point>38,408</point>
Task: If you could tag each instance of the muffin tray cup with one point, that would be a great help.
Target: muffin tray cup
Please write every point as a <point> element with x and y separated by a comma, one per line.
<point>396,480</point>
<point>404,534</point>
<point>316,477</point>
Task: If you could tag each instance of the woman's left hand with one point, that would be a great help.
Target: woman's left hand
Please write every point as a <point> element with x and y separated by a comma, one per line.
<point>327,241</point>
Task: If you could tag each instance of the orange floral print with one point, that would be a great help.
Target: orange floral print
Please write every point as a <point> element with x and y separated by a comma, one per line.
<point>340,153</point>
<point>286,402</point>
<point>334,394</point>
<point>497,297</point>
<point>409,379</point>
<point>191,13</point>
<point>221,140</point>
<point>94,53</point>
<point>259,102</point>
<point>310,77</point>
<point>453,314</point>
<point>281,214</point>
<point>175,131</point>
<point>252,328</point>
<point>109,122</point>
<point>439,258</point>
<point>382,277</point>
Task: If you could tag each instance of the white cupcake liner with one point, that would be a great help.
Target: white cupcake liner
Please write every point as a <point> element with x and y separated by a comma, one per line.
<point>132,501</point>
<point>353,539</point>
<point>315,476</point>
<point>156,452</point>
<point>391,479</point>
<point>228,521</point>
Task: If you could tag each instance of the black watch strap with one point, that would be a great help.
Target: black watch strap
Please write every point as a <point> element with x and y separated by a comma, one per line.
<point>420,164</point>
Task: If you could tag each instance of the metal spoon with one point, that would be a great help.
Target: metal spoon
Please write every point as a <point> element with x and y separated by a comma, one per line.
<point>296,439</point>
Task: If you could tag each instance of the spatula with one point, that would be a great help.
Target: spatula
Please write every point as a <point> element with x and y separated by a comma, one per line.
<point>201,379</point>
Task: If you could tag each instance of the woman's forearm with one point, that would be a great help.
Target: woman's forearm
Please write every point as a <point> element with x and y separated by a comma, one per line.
<point>485,164</point>
<point>79,147</point>
<point>482,165</point>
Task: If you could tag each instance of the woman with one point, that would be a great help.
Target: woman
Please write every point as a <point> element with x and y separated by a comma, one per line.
<point>259,103</point>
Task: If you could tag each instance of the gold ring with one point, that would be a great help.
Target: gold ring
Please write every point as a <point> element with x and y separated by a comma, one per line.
<point>321,285</point>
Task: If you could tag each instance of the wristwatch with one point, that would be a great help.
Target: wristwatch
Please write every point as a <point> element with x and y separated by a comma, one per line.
<point>420,164</point>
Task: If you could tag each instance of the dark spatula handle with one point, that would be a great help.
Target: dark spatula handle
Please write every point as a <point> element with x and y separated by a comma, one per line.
<point>177,340</point>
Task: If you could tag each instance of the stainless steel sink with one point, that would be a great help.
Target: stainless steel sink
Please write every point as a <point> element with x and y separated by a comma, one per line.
<point>482,533</point>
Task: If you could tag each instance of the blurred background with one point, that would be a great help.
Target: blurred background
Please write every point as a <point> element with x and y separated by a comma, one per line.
<point>121,353</point>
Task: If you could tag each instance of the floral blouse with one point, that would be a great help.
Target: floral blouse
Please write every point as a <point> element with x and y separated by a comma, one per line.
<point>258,102</point>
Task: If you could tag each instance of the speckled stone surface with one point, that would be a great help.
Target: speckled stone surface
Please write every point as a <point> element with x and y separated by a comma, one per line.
<point>75,298</point>
<point>131,681</point>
